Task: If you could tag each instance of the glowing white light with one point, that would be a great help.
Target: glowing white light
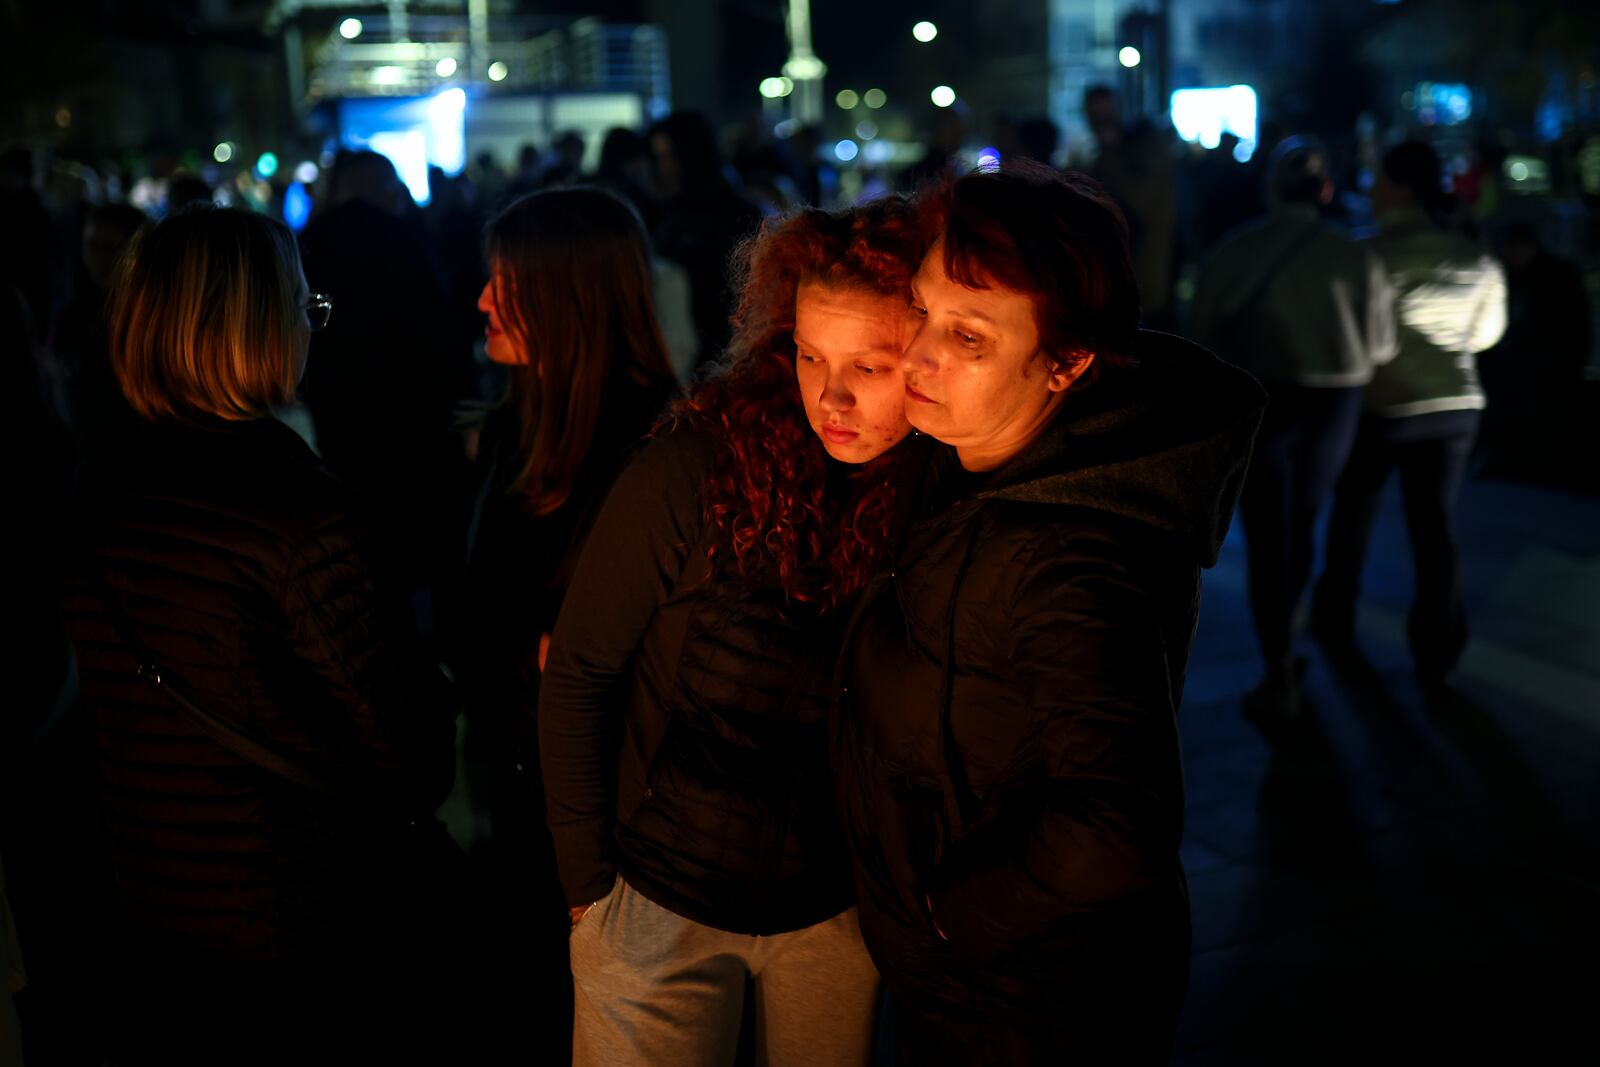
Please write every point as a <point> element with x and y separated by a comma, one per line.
<point>445,67</point>
<point>874,98</point>
<point>306,172</point>
<point>807,68</point>
<point>878,152</point>
<point>772,88</point>
<point>942,96</point>
<point>989,159</point>
<point>847,98</point>
<point>223,152</point>
<point>866,130</point>
<point>924,31</point>
<point>498,71</point>
<point>408,151</point>
<point>387,76</point>
<point>350,29</point>
<point>1129,56</point>
<point>846,150</point>
<point>1203,114</point>
<point>447,130</point>
<point>1519,171</point>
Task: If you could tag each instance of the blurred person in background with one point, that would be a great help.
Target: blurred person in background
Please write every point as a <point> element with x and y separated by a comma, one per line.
<point>93,402</point>
<point>1310,313</point>
<point>702,218</point>
<point>570,315</point>
<point>1420,411</point>
<point>25,221</point>
<point>683,718</point>
<point>625,170</point>
<point>389,376</point>
<point>1534,378</point>
<point>267,725</point>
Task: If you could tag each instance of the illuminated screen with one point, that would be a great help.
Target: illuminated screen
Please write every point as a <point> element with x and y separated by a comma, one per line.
<point>1202,115</point>
<point>413,133</point>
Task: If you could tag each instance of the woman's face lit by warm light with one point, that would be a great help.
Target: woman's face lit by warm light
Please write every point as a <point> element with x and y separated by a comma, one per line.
<point>502,345</point>
<point>975,376</point>
<point>847,360</point>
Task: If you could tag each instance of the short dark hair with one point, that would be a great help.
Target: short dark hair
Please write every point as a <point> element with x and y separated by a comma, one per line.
<point>1414,165</point>
<point>1299,169</point>
<point>1057,237</point>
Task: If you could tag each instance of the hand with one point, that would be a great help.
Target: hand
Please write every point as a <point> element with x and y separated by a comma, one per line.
<point>927,900</point>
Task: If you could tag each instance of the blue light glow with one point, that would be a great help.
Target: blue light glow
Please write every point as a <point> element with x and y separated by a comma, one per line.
<point>846,150</point>
<point>296,206</point>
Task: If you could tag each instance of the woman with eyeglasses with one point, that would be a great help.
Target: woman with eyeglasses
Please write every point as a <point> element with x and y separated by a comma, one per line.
<point>267,729</point>
<point>683,715</point>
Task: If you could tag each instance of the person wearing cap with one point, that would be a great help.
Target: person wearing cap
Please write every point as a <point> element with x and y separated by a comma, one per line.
<point>1309,312</point>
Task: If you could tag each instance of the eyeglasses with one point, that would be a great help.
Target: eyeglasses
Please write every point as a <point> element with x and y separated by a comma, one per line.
<point>318,309</point>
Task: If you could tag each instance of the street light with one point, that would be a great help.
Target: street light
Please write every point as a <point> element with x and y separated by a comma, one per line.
<point>223,152</point>
<point>874,98</point>
<point>773,88</point>
<point>445,67</point>
<point>847,99</point>
<point>924,31</point>
<point>498,71</point>
<point>942,96</point>
<point>350,29</point>
<point>1129,56</point>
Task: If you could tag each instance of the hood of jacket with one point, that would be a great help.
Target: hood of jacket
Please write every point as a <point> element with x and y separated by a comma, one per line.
<point>1165,443</point>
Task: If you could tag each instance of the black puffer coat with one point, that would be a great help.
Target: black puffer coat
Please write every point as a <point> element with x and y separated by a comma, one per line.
<point>683,717</point>
<point>1007,745</point>
<point>243,566</point>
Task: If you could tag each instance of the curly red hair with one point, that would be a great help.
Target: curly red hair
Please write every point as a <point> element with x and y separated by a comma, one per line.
<point>772,495</point>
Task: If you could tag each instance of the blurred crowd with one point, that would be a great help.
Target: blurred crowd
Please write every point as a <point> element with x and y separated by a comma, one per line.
<point>1318,274</point>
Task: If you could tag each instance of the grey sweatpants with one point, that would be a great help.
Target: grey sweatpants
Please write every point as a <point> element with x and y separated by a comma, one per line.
<point>653,988</point>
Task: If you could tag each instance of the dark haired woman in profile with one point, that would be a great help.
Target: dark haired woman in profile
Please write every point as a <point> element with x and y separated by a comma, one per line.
<point>682,719</point>
<point>570,315</point>
<point>1006,743</point>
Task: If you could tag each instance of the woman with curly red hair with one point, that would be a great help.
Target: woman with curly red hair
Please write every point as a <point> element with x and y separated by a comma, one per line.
<point>683,711</point>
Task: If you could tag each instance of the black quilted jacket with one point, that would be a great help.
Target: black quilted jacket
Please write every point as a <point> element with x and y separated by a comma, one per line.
<point>245,569</point>
<point>683,718</point>
<point>1007,745</point>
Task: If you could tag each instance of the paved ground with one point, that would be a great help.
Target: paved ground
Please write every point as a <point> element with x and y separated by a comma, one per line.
<point>1413,872</point>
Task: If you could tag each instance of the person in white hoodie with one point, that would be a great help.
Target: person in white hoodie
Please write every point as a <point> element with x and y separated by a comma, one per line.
<point>1310,312</point>
<point>1420,412</point>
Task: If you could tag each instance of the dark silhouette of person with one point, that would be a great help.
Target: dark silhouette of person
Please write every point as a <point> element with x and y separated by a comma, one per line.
<point>25,222</point>
<point>185,190</point>
<point>1534,377</point>
<point>703,217</point>
<point>389,374</point>
<point>92,401</point>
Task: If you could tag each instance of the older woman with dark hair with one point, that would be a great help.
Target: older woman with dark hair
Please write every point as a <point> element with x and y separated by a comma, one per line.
<point>267,729</point>
<point>1007,746</point>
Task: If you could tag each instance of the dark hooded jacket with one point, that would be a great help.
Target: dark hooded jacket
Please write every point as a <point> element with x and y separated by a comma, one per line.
<point>1006,741</point>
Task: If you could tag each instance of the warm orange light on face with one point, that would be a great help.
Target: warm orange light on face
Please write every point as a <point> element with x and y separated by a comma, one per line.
<point>847,352</point>
<point>500,344</point>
